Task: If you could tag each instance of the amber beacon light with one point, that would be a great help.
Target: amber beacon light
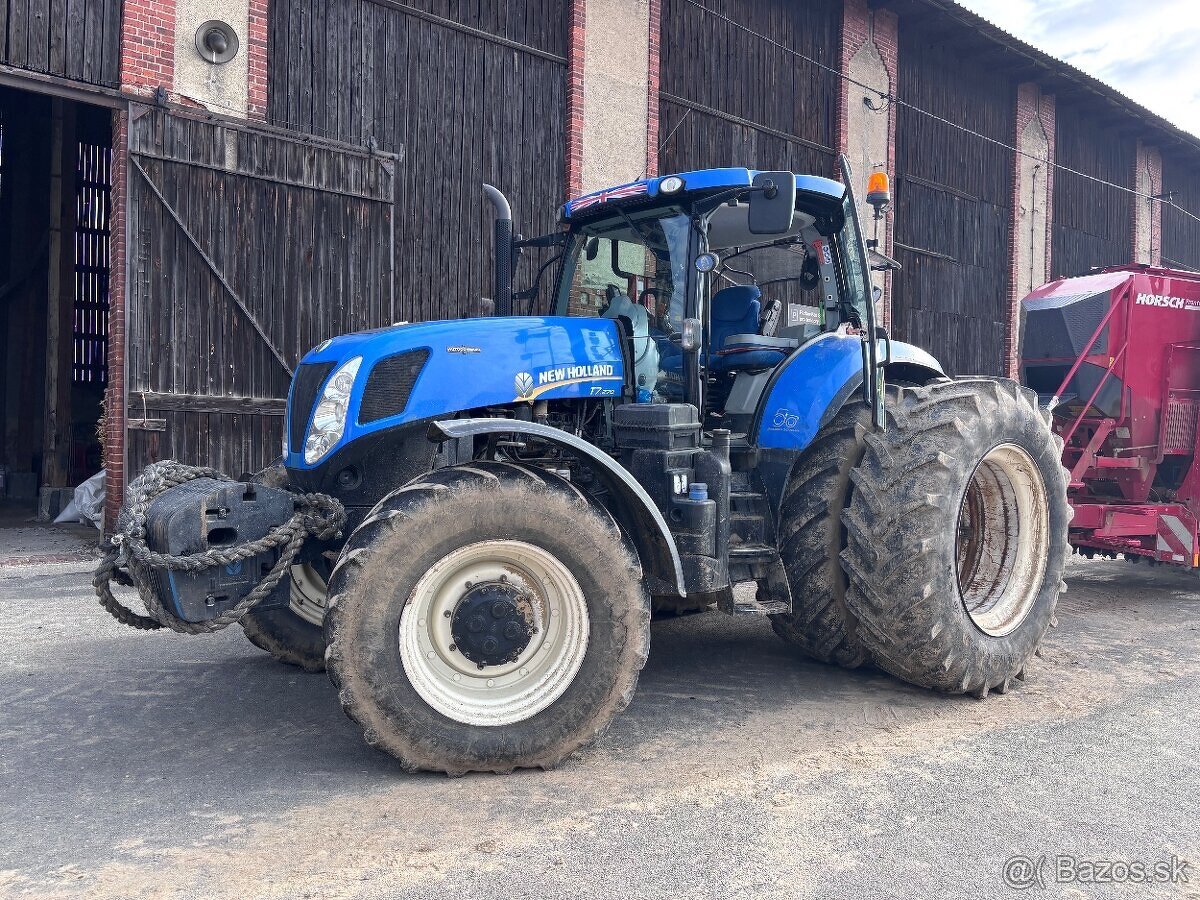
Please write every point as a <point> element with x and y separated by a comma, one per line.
<point>879,190</point>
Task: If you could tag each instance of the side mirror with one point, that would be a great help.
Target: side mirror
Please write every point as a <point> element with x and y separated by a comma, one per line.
<point>773,206</point>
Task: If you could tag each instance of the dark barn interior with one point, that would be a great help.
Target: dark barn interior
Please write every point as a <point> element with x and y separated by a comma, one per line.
<point>55,160</point>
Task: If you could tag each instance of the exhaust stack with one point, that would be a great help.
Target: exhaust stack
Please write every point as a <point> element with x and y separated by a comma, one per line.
<point>502,294</point>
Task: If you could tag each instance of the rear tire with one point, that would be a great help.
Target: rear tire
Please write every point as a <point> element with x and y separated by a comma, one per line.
<point>812,537</point>
<point>956,535</point>
<point>415,681</point>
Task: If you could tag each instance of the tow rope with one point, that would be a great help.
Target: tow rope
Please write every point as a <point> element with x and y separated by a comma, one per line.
<point>128,560</point>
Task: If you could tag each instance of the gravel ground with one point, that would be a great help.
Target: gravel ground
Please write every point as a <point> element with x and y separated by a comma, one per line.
<point>152,765</point>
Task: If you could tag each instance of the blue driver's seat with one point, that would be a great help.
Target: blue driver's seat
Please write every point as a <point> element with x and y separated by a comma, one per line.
<point>735,344</point>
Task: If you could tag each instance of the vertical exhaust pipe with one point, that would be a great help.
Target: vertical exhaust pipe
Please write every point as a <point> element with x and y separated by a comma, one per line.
<point>504,231</point>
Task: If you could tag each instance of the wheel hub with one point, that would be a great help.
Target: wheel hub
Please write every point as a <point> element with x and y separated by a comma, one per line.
<point>491,625</point>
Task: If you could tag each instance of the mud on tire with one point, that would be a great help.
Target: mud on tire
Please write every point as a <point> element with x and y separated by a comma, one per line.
<point>421,530</point>
<point>811,538</point>
<point>956,535</point>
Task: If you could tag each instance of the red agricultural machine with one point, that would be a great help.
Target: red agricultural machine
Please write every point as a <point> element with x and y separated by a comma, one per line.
<point>1116,356</point>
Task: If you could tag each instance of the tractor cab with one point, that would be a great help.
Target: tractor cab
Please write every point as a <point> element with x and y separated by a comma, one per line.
<point>718,276</point>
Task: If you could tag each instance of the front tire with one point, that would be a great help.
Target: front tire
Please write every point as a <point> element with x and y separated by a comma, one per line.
<point>956,535</point>
<point>294,635</point>
<point>485,618</point>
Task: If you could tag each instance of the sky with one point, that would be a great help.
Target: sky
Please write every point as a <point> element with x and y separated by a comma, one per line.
<point>1148,50</point>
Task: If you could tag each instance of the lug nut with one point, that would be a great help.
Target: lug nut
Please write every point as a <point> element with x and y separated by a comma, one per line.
<point>512,631</point>
<point>453,647</point>
<point>499,609</point>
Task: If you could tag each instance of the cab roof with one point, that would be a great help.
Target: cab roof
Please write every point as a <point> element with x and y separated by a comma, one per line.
<point>695,184</point>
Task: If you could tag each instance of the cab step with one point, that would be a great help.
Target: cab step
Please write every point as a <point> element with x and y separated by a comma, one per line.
<point>751,553</point>
<point>756,607</point>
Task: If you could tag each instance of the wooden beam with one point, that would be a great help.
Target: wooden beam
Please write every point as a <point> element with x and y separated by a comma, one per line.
<point>60,297</point>
<point>140,402</point>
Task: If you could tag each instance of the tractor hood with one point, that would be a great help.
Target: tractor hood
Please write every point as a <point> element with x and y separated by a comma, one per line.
<point>410,372</point>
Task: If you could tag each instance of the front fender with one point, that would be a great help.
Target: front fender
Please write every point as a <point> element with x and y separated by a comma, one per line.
<point>632,507</point>
<point>810,386</point>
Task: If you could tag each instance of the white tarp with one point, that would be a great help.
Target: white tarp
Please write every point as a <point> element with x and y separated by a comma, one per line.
<point>87,507</point>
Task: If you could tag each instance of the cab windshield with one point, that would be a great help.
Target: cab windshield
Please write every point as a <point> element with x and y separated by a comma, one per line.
<point>634,266</point>
<point>641,257</point>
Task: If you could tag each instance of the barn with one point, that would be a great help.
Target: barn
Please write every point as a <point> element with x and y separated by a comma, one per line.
<point>195,192</point>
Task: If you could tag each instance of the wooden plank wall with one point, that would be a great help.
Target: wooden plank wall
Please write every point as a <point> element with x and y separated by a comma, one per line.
<point>953,201</point>
<point>733,99</point>
<point>1092,224</point>
<point>76,39</point>
<point>302,234</point>
<point>465,92</point>
<point>1181,233</point>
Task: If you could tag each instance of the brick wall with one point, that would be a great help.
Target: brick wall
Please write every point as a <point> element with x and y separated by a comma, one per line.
<point>655,66</point>
<point>114,398</point>
<point>256,105</point>
<point>575,98</point>
<point>148,46</point>
<point>1030,103</point>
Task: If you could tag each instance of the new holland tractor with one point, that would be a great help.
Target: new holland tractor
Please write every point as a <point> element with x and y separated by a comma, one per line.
<point>474,519</point>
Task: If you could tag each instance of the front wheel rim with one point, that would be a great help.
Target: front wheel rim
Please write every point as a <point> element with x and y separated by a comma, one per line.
<point>1002,540</point>
<point>515,689</point>
<point>307,594</point>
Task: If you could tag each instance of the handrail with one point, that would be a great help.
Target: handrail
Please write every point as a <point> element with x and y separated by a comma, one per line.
<point>1096,393</point>
<point>1054,401</point>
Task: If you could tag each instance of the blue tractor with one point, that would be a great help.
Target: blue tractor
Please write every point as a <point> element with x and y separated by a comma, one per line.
<point>705,412</point>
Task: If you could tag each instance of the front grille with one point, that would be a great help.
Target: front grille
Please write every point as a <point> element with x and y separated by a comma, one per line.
<point>389,384</point>
<point>305,385</point>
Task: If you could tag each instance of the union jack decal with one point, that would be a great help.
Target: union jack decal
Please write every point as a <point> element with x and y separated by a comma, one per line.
<point>617,193</point>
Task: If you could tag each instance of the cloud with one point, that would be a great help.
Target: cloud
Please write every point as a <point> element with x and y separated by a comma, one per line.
<point>1148,50</point>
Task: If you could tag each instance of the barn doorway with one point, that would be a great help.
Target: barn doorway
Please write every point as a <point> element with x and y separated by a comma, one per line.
<point>55,206</point>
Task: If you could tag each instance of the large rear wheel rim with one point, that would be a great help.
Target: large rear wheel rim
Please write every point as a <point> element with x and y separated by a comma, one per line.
<point>1003,540</point>
<point>510,691</point>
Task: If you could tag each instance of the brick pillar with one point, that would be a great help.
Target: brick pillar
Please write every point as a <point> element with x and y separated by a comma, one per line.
<point>158,50</point>
<point>1032,207</point>
<point>256,59</point>
<point>615,92</point>
<point>575,35</point>
<point>654,78</point>
<point>148,46</point>
<point>1147,213</point>
<point>867,135</point>
<point>114,397</point>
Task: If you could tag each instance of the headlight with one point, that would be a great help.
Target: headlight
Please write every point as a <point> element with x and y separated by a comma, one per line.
<point>329,418</point>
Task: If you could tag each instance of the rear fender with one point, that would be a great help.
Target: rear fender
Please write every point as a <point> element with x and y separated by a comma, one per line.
<point>807,390</point>
<point>810,386</point>
<point>632,507</point>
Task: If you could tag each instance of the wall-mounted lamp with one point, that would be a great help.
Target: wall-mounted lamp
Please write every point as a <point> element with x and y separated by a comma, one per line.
<point>216,42</point>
